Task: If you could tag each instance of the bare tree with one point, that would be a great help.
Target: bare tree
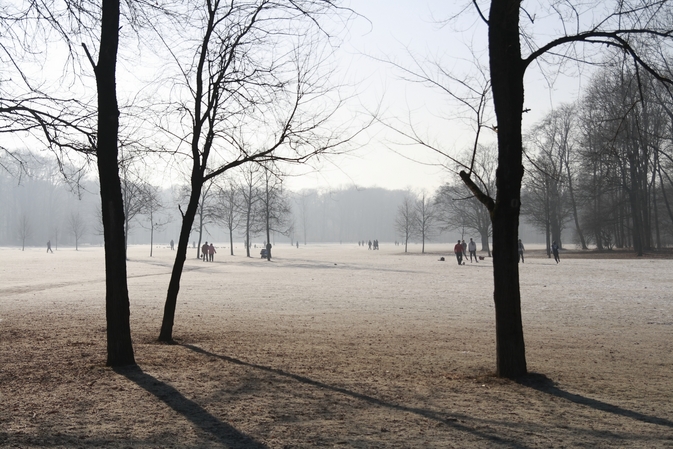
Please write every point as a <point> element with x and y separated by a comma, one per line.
<point>250,191</point>
<point>152,205</point>
<point>64,125</point>
<point>621,28</point>
<point>425,219</point>
<point>229,207</point>
<point>24,230</point>
<point>246,103</point>
<point>134,194</point>
<point>405,221</point>
<point>546,203</point>
<point>77,227</point>
<point>275,211</point>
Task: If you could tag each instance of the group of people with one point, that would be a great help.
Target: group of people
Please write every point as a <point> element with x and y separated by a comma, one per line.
<point>208,252</point>
<point>554,250</point>
<point>461,248</point>
<point>370,244</point>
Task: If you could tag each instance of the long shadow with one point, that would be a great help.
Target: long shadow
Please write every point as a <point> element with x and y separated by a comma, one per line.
<point>200,417</point>
<point>542,383</point>
<point>452,420</point>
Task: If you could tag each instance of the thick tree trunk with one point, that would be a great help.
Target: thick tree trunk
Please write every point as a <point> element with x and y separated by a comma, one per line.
<point>166,333</point>
<point>507,72</point>
<point>117,311</point>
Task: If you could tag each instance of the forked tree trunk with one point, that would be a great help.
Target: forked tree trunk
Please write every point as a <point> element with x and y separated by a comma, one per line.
<point>119,345</point>
<point>507,72</point>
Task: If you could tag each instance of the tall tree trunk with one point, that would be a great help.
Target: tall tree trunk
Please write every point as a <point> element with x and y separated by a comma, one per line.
<point>573,203</point>
<point>166,333</point>
<point>117,311</point>
<point>635,206</point>
<point>507,71</point>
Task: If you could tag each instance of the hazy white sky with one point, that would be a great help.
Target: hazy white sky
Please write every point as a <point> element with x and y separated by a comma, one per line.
<point>394,30</point>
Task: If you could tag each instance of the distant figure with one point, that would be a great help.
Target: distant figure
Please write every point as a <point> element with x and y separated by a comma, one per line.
<point>193,244</point>
<point>49,247</point>
<point>268,251</point>
<point>554,250</point>
<point>211,252</point>
<point>458,250</point>
<point>521,250</point>
<point>370,244</point>
<point>376,244</point>
<point>172,245</point>
<point>204,252</point>
<point>472,248</point>
<point>297,244</point>
<point>464,245</point>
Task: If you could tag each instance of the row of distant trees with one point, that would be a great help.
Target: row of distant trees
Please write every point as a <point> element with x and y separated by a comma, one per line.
<point>602,166</point>
<point>231,208</point>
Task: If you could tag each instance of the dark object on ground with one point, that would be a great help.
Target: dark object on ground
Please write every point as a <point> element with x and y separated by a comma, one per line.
<point>441,259</point>
<point>481,257</point>
<point>262,253</point>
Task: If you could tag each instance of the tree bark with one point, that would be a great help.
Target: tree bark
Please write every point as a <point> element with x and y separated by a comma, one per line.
<point>507,70</point>
<point>119,344</point>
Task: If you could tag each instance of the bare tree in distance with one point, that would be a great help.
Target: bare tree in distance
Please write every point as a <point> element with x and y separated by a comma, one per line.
<point>545,202</point>
<point>229,207</point>
<point>405,221</point>
<point>425,219</point>
<point>134,193</point>
<point>152,205</point>
<point>24,230</point>
<point>250,191</point>
<point>77,227</point>
<point>275,207</point>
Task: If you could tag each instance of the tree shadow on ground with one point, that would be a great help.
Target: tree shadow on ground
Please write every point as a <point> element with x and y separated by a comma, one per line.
<point>456,421</point>
<point>199,416</point>
<point>542,383</point>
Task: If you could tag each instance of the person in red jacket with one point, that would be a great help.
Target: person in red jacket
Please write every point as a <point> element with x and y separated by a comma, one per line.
<point>458,250</point>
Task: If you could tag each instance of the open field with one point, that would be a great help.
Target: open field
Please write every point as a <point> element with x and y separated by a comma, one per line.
<point>335,346</point>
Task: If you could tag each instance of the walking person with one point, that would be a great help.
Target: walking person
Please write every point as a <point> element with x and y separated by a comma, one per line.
<point>554,250</point>
<point>472,248</point>
<point>49,247</point>
<point>521,250</point>
<point>172,245</point>
<point>211,252</point>
<point>204,252</point>
<point>458,250</point>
